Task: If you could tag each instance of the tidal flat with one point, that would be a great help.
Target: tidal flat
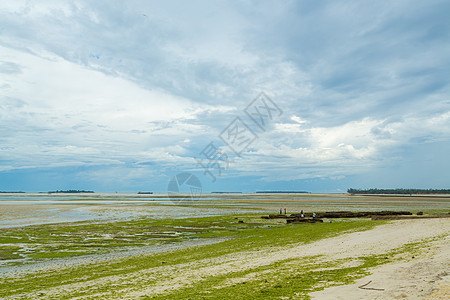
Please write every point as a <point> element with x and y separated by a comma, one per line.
<point>216,246</point>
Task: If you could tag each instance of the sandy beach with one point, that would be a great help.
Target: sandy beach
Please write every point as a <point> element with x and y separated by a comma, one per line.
<point>421,275</point>
<point>415,277</point>
<point>417,248</point>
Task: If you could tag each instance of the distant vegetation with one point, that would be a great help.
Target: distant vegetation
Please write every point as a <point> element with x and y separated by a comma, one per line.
<point>399,191</point>
<point>281,192</point>
<point>71,192</point>
<point>226,192</point>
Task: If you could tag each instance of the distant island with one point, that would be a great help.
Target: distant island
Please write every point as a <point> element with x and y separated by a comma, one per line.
<point>70,192</point>
<point>399,191</point>
<point>145,193</point>
<point>282,192</point>
<point>226,192</point>
<point>15,192</point>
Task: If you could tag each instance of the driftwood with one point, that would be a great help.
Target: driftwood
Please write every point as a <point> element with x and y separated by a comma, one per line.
<point>350,214</point>
<point>275,217</point>
<point>304,220</point>
<point>363,287</point>
<point>340,214</point>
<point>407,217</point>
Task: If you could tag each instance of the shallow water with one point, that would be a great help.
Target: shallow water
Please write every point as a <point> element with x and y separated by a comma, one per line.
<point>16,270</point>
<point>33,209</point>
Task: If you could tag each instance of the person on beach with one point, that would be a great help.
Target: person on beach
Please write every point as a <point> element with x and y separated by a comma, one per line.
<point>301,214</point>
<point>281,211</point>
<point>314,215</point>
<point>285,211</point>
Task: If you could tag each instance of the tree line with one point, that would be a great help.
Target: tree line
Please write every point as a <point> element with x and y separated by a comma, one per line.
<point>398,191</point>
<point>70,191</point>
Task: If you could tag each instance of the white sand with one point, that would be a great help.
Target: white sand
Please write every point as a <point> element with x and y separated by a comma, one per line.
<point>419,278</point>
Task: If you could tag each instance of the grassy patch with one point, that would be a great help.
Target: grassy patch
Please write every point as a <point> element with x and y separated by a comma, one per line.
<point>293,279</point>
<point>289,279</point>
<point>248,236</point>
<point>7,253</point>
<point>82,238</point>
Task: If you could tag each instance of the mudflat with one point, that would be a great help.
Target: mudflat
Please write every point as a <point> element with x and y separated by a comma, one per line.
<point>224,249</point>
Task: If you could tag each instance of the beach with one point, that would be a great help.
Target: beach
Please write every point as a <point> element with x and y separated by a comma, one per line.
<point>223,248</point>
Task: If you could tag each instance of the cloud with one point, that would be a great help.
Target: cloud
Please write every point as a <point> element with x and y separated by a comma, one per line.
<point>139,83</point>
<point>334,152</point>
<point>9,68</point>
<point>64,113</point>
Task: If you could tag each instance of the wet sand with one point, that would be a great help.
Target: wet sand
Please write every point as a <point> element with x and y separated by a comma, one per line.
<point>424,276</point>
<point>33,209</point>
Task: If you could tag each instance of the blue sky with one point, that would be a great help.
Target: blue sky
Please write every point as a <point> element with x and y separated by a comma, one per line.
<point>123,95</point>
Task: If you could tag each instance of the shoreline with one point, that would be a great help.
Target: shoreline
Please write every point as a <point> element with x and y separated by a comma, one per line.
<point>395,245</point>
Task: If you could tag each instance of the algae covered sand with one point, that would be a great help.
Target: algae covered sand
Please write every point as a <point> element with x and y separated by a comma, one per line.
<point>233,255</point>
<point>258,260</point>
<point>35,209</point>
<point>244,238</point>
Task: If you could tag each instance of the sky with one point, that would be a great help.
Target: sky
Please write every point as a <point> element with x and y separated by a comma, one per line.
<point>317,96</point>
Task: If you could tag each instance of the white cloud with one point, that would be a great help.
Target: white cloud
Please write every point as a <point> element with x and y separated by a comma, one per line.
<point>351,148</point>
<point>63,112</point>
<point>132,84</point>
